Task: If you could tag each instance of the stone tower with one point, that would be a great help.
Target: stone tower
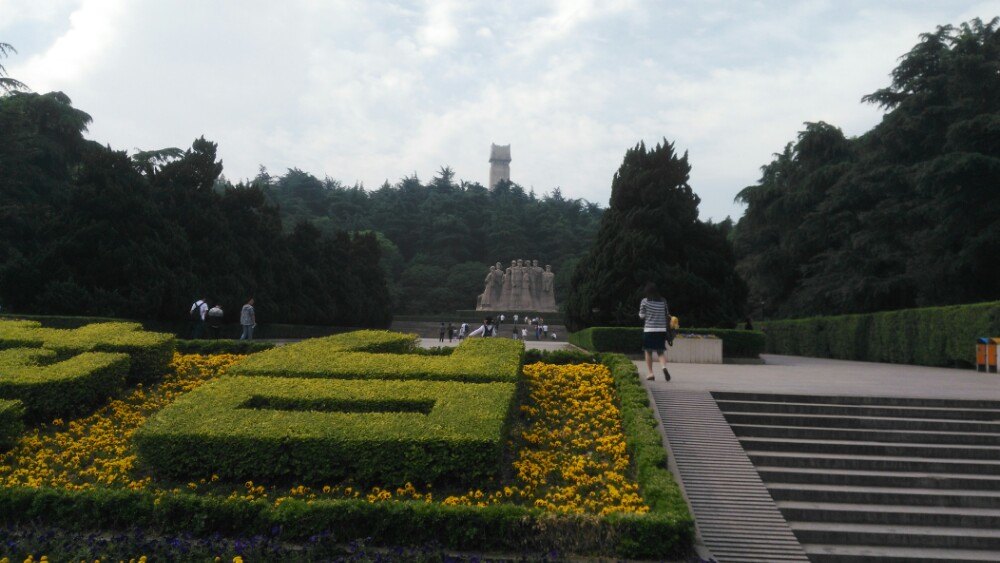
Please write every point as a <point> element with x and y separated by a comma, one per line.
<point>499,164</point>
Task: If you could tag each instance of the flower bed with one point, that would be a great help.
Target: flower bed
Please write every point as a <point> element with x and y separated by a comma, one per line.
<point>584,478</point>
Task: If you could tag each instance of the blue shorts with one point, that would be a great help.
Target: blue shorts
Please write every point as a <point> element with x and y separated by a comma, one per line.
<point>654,341</point>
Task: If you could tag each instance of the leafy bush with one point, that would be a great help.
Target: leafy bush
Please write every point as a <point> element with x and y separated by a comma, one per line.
<point>370,354</point>
<point>72,386</point>
<point>208,347</point>
<point>735,343</point>
<point>932,336</point>
<point>558,357</point>
<point>11,424</point>
<point>318,430</point>
<point>649,458</point>
<point>150,352</point>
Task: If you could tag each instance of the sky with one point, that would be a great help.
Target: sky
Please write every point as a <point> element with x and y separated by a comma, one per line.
<point>369,91</point>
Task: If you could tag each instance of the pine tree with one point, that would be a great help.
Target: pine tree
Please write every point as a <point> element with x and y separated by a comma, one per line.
<point>651,232</point>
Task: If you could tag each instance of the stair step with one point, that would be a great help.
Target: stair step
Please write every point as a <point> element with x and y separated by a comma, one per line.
<point>884,495</point>
<point>873,462</point>
<point>857,400</point>
<point>867,434</point>
<point>869,422</point>
<point>900,411</point>
<point>902,536</point>
<point>826,553</point>
<point>868,478</point>
<point>900,514</point>
<point>858,447</point>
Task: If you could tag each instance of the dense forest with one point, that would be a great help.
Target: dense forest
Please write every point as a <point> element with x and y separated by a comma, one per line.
<point>88,230</point>
<point>651,233</point>
<point>907,214</point>
<point>439,239</point>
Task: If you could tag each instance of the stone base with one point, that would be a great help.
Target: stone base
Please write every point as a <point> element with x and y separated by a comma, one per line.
<point>695,351</point>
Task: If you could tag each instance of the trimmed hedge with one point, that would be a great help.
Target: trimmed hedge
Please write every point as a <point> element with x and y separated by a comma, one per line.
<point>649,457</point>
<point>932,336</point>
<point>209,347</point>
<point>49,389</point>
<point>314,430</point>
<point>497,528</point>
<point>628,339</point>
<point>150,352</point>
<point>372,354</point>
<point>11,423</point>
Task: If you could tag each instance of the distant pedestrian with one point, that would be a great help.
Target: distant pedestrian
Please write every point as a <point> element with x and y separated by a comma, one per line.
<point>486,331</point>
<point>538,332</point>
<point>545,331</point>
<point>515,333</point>
<point>554,336</point>
<point>248,320</point>
<point>524,334</point>
<point>515,319</point>
<point>451,332</point>
<point>441,333</point>
<point>654,312</point>
<point>502,319</point>
<point>463,330</point>
<point>215,315</point>
<point>198,312</point>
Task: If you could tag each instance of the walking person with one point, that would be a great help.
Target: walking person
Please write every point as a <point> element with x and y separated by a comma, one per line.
<point>486,331</point>
<point>199,310</point>
<point>441,333</point>
<point>215,315</point>
<point>654,311</point>
<point>451,332</point>
<point>248,320</point>
<point>462,331</point>
<point>545,330</point>
<point>502,319</point>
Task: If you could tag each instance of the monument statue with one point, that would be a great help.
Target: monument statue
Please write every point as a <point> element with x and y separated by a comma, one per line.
<point>499,164</point>
<point>524,287</point>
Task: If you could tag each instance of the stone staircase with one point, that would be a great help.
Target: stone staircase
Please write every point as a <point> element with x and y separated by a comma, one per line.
<point>877,479</point>
<point>429,329</point>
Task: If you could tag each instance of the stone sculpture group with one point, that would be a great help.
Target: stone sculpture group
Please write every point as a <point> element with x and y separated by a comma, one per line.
<point>524,286</point>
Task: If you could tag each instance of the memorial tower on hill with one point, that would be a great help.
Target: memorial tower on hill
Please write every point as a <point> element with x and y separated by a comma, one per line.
<point>499,164</point>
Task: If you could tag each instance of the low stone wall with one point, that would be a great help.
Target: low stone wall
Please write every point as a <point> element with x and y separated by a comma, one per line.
<point>695,351</point>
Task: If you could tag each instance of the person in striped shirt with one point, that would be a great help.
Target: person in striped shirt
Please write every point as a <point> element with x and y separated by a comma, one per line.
<point>654,312</point>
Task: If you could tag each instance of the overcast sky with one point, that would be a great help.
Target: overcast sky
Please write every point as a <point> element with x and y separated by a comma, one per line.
<point>370,90</point>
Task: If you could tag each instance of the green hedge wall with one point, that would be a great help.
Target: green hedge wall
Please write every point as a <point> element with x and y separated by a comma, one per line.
<point>933,336</point>
<point>735,343</point>
<point>11,423</point>
<point>322,430</point>
<point>222,346</point>
<point>52,389</point>
<point>372,354</point>
<point>150,353</point>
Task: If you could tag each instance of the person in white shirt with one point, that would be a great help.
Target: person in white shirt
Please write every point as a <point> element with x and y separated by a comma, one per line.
<point>215,315</point>
<point>199,309</point>
<point>486,331</point>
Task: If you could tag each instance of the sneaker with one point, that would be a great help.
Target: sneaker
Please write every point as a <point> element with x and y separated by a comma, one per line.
<point>666,374</point>
<point>650,378</point>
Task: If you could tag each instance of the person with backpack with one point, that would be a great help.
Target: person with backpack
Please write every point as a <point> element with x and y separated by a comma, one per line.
<point>486,331</point>
<point>215,315</point>
<point>248,320</point>
<point>199,309</point>
<point>654,312</point>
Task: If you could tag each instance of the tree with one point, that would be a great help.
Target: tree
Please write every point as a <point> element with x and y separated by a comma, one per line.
<point>8,84</point>
<point>651,232</point>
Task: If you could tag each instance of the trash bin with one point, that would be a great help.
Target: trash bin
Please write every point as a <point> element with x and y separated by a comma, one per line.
<point>986,354</point>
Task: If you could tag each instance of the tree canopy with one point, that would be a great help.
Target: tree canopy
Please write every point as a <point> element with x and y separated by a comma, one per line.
<point>85,229</point>
<point>651,232</point>
<point>906,215</point>
<point>439,238</point>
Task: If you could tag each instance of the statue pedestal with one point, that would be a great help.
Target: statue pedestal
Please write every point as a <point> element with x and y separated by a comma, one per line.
<point>695,351</point>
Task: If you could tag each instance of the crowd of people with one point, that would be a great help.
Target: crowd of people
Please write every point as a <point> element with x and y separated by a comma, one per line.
<point>491,327</point>
<point>203,316</point>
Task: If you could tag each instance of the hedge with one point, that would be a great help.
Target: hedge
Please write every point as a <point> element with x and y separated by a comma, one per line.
<point>57,389</point>
<point>11,423</point>
<point>646,450</point>
<point>735,343</point>
<point>321,430</point>
<point>224,346</point>
<point>150,352</point>
<point>371,354</point>
<point>932,336</point>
